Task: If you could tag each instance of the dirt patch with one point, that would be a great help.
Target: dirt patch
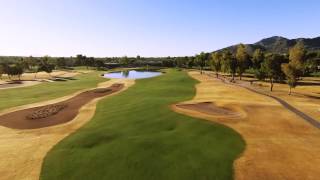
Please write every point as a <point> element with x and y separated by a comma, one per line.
<point>211,109</point>
<point>54,114</point>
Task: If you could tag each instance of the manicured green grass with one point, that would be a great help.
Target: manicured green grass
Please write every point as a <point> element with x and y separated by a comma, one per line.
<point>45,91</point>
<point>135,135</point>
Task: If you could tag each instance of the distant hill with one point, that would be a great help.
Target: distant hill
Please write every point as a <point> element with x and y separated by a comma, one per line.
<point>278,44</point>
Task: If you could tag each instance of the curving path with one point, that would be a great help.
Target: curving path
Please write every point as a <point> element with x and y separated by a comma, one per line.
<point>286,105</point>
<point>22,151</point>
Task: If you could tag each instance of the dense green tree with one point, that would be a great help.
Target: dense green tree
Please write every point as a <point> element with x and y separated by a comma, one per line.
<point>2,70</point>
<point>272,67</point>
<point>229,63</point>
<point>200,60</point>
<point>181,61</point>
<point>14,70</point>
<point>18,70</point>
<point>312,54</point>
<point>24,63</point>
<point>297,56</point>
<point>71,61</point>
<point>61,62</point>
<point>33,62</point>
<point>256,61</point>
<point>45,66</point>
<point>291,74</point>
<point>99,64</point>
<point>257,58</point>
<point>125,61</point>
<point>294,69</point>
<point>186,61</point>
<point>167,63</point>
<point>81,60</point>
<point>89,62</point>
<point>215,62</point>
<point>312,65</point>
<point>242,59</point>
<point>190,62</point>
<point>312,62</point>
<point>260,73</point>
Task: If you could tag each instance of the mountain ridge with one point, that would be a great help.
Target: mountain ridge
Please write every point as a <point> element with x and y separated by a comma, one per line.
<point>278,44</point>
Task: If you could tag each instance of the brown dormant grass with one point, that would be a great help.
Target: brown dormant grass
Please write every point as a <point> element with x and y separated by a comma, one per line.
<point>279,145</point>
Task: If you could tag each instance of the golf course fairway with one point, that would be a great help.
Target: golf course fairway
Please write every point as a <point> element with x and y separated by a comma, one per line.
<point>47,91</point>
<point>135,135</point>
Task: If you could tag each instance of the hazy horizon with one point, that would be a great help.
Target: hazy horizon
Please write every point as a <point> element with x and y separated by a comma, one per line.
<point>150,29</point>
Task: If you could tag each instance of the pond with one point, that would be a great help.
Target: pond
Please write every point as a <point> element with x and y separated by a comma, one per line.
<point>132,74</point>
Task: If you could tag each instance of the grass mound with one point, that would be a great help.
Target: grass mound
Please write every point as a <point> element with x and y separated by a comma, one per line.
<point>135,135</point>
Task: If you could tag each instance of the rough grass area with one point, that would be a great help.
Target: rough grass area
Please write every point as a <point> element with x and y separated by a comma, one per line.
<point>135,135</point>
<point>48,90</point>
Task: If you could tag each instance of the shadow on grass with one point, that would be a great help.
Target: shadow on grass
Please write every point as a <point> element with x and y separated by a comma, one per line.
<point>309,83</point>
<point>64,79</point>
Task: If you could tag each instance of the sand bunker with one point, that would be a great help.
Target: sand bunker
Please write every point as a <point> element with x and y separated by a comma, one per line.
<point>210,108</point>
<point>54,114</point>
<point>17,84</point>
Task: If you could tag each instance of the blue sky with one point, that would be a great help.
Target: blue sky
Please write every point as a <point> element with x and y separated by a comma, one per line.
<point>148,27</point>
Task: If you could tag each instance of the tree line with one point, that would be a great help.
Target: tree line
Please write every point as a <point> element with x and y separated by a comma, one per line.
<point>18,67</point>
<point>274,67</point>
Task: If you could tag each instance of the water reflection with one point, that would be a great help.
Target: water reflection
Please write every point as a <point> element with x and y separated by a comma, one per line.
<point>132,74</point>
<point>126,73</point>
